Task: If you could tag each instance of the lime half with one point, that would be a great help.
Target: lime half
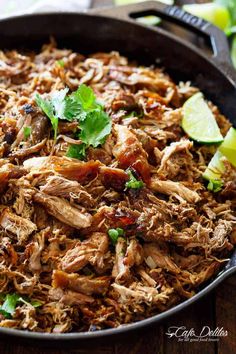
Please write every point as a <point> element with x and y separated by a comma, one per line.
<point>228,147</point>
<point>214,13</point>
<point>199,122</point>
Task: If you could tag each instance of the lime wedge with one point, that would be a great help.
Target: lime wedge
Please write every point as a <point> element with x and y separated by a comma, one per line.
<point>216,167</point>
<point>199,122</point>
<point>214,171</point>
<point>228,147</point>
<point>126,2</point>
<point>214,13</point>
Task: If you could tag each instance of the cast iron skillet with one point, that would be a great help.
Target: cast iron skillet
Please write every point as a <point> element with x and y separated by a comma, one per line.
<point>117,29</point>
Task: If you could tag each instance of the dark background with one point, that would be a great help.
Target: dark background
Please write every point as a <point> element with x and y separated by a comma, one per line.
<point>216,310</point>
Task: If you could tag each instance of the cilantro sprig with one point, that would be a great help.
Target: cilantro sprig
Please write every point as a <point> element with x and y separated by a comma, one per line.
<point>133,182</point>
<point>10,302</point>
<point>76,151</point>
<point>81,106</point>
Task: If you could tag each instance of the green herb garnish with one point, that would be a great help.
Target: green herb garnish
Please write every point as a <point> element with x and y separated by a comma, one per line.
<point>47,106</point>
<point>95,128</point>
<point>81,105</point>
<point>10,303</point>
<point>114,234</point>
<point>27,132</point>
<point>60,62</point>
<point>133,182</point>
<point>8,307</point>
<point>36,303</point>
<point>76,151</point>
<point>215,185</point>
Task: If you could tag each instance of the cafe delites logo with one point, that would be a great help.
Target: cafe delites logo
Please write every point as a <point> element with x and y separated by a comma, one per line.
<point>205,334</point>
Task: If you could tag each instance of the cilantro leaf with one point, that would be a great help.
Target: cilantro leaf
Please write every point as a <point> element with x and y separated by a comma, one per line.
<point>47,107</point>
<point>76,151</point>
<point>215,185</point>
<point>9,304</point>
<point>8,307</point>
<point>58,102</point>
<point>95,128</point>
<point>87,98</point>
<point>80,105</point>
<point>5,314</point>
<point>133,182</point>
<point>73,109</point>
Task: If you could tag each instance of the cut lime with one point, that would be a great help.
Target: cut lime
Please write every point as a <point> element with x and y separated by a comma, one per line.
<point>149,20</point>
<point>216,167</point>
<point>214,13</point>
<point>228,147</point>
<point>199,122</point>
<point>214,172</point>
<point>233,51</point>
<point>126,2</point>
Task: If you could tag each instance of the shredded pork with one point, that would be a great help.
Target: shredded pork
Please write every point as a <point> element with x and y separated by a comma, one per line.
<point>56,212</point>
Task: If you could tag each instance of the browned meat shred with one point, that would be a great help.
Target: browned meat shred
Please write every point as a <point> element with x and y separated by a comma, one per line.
<point>56,212</point>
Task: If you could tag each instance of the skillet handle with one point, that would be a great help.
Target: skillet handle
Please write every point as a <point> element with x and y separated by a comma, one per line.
<point>174,14</point>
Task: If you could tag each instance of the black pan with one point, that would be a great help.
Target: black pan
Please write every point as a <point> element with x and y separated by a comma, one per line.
<point>116,29</point>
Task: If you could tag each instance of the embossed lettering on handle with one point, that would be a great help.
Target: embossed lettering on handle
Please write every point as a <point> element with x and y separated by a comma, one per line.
<point>186,17</point>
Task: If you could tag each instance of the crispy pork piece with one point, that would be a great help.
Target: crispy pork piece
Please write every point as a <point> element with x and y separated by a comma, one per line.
<point>174,188</point>
<point>68,297</point>
<point>39,128</point>
<point>178,146</point>
<point>77,170</point>
<point>80,283</point>
<point>155,257</point>
<point>134,253</point>
<point>63,211</point>
<point>65,188</point>
<point>147,142</point>
<point>229,192</point>
<point>23,153</point>
<point>146,277</point>
<point>100,154</point>
<point>138,293</point>
<point>67,167</point>
<point>34,250</point>
<point>5,171</point>
<point>90,251</point>
<point>113,177</point>
<point>121,271</point>
<point>189,262</point>
<point>125,101</point>
<point>8,171</point>
<point>17,225</point>
<point>130,153</point>
<point>126,257</point>
<point>221,234</point>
